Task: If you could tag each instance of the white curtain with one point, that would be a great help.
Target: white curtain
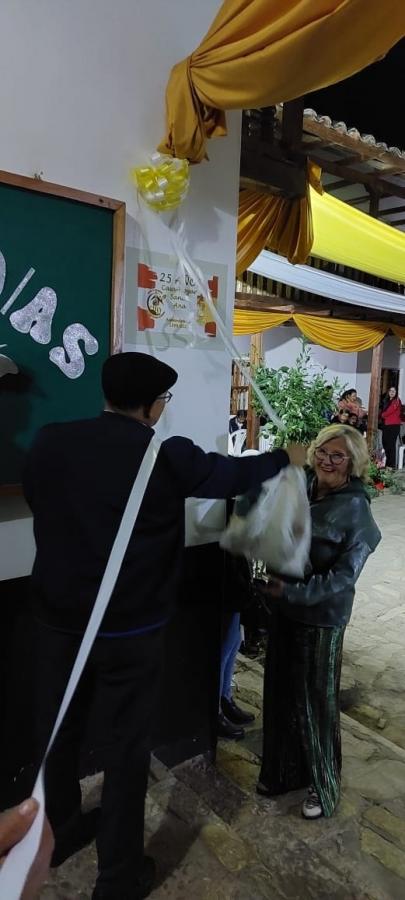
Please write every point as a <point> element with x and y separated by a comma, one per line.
<point>326,285</point>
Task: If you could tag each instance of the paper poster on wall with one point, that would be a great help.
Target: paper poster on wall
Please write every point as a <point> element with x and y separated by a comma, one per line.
<point>165,310</point>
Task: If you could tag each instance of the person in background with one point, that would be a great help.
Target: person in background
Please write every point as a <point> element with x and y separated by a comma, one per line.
<point>237,422</point>
<point>87,469</point>
<point>301,729</point>
<point>237,595</point>
<point>353,420</point>
<point>327,414</point>
<point>341,417</point>
<point>391,422</point>
<point>349,400</point>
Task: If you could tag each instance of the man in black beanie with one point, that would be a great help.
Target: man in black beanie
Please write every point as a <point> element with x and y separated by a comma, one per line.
<point>77,482</point>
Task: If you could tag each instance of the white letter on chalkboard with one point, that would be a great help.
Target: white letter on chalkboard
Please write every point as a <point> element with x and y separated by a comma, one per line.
<point>36,317</point>
<point>2,271</point>
<point>70,359</point>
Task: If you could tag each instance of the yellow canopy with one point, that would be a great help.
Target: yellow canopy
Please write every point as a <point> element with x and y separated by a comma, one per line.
<point>317,224</point>
<point>344,335</point>
<point>261,52</point>
<point>344,235</point>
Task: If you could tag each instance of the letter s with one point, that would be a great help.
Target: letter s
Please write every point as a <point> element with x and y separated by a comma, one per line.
<point>69,358</point>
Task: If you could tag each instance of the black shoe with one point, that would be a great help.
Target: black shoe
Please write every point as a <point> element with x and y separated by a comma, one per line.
<point>235,714</point>
<point>139,888</point>
<point>74,836</point>
<point>227,730</point>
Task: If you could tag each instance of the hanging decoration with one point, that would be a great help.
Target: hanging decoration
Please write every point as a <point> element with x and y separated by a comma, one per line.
<point>164,184</point>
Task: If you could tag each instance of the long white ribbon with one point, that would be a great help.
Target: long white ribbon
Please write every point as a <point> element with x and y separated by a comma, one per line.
<point>173,234</point>
<point>18,863</point>
<point>188,265</point>
<point>16,868</point>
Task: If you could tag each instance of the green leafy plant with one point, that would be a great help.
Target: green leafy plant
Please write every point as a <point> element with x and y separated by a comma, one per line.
<point>372,491</point>
<point>384,479</point>
<point>303,399</point>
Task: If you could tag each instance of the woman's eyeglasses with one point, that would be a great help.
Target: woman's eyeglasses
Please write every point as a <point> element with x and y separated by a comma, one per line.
<point>335,458</point>
<point>166,397</point>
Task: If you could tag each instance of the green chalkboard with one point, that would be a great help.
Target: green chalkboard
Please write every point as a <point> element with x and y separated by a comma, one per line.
<point>60,252</point>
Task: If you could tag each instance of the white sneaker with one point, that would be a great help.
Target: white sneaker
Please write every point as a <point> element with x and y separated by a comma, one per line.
<point>311,807</point>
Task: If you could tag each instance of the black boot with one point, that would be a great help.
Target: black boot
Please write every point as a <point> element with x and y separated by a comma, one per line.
<point>234,713</point>
<point>140,887</point>
<point>229,731</point>
<point>76,834</point>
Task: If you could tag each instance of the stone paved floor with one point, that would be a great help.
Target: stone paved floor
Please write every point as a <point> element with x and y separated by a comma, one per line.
<point>374,663</point>
<point>214,839</point>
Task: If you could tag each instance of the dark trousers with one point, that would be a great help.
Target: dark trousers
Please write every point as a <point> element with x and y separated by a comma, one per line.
<point>301,713</point>
<point>122,678</point>
<point>389,441</point>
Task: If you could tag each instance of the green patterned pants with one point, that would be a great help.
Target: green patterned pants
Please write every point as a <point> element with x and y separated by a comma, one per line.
<point>301,716</point>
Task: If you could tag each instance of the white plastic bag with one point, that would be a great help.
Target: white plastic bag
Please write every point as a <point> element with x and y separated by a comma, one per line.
<point>277,527</point>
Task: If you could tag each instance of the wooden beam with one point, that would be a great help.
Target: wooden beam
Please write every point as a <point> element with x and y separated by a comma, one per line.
<point>374,180</point>
<point>252,184</point>
<point>347,160</point>
<point>374,395</point>
<point>356,201</point>
<point>334,185</point>
<point>391,211</point>
<point>374,204</point>
<point>261,303</point>
<point>346,141</point>
<point>392,170</point>
<point>291,127</point>
<point>253,421</point>
<point>265,164</point>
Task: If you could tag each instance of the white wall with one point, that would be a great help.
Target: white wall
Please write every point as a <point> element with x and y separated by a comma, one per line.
<point>82,101</point>
<point>282,346</point>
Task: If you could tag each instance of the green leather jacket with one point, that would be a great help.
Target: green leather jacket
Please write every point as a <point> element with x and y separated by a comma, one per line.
<point>344,534</point>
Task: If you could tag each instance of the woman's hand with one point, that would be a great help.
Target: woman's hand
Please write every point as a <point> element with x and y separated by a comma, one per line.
<point>297,453</point>
<point>14,825</point>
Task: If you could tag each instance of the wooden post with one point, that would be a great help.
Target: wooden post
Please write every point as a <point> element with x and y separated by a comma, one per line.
<point>374,396</point>
<point>292,122</point>
<point>256,355</point>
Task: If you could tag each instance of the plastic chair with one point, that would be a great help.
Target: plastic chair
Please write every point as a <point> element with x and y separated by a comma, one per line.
<point>236,441</point>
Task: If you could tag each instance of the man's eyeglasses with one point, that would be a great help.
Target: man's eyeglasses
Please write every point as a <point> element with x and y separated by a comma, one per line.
<point>335,458</point>
<point>166,397</point>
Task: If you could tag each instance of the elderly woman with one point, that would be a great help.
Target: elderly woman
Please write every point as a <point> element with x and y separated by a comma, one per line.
<point>302,746</point>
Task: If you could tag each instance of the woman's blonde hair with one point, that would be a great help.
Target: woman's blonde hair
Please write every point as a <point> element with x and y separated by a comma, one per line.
<point>355,443</point>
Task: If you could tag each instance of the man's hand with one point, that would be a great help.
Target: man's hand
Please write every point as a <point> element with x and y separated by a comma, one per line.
<point>297,454</point>
<point>14,825</point>
<point>273,588</point>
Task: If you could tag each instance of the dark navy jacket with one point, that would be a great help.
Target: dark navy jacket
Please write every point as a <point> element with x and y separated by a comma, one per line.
<point>344,534</point>
<point>77,482</point>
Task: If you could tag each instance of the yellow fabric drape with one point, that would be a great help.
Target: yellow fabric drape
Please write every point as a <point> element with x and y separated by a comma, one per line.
<point>341,334</point>
<point>277,223</point>
<point>281,224</point>
<point>344,335</point>
<point>350,237</point>
<point>399,331</point>
<point>321,225</point>
<point>261,52</point>
<point>249,322</point>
